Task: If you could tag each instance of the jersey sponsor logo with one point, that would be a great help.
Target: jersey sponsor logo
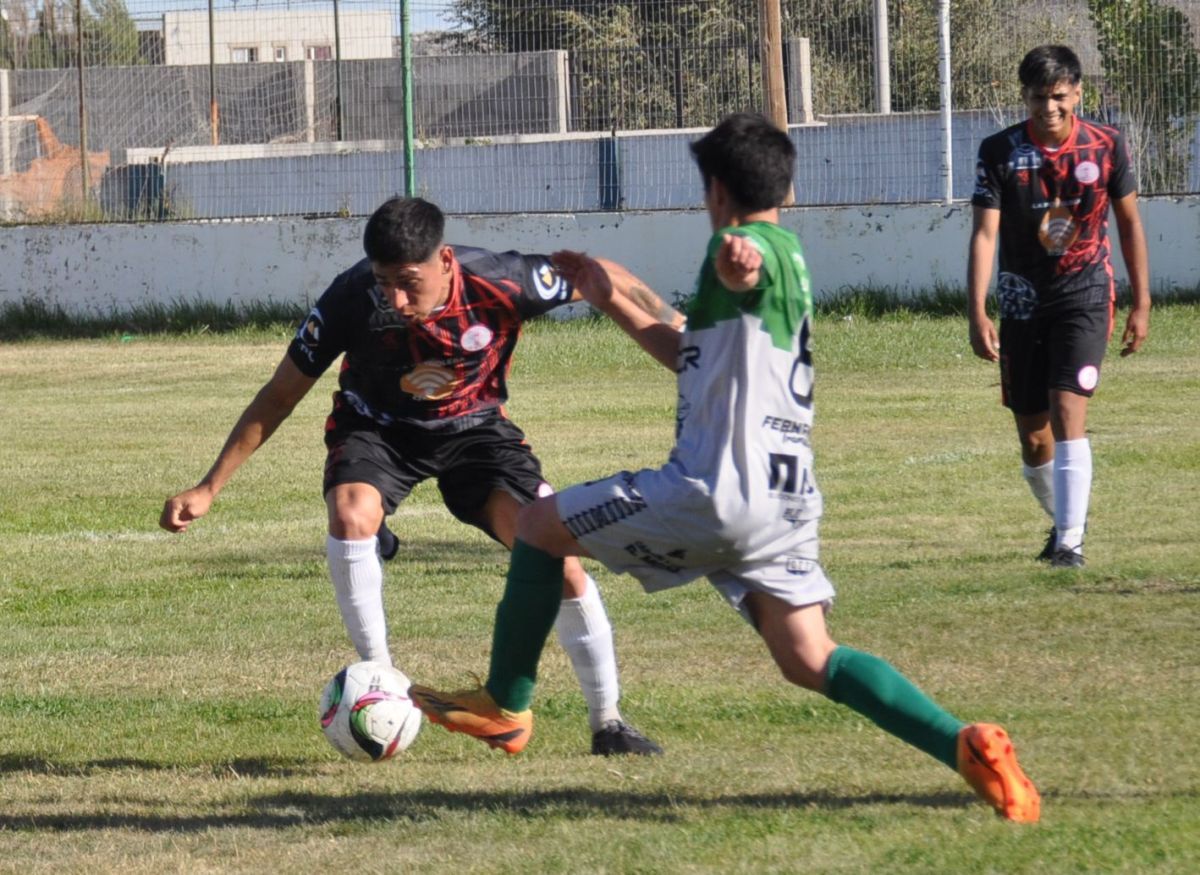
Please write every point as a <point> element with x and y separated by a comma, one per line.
<point>1087,172</point>
<point>429,382</point>
<point>792,431</point>
<point>547,282</point>
<point>1016,296</point>
<point>689,357</point>
<point>309,332</point>
<point>1025,157</point>
<point>476,338</point>
<point>1058,230</point>
<point>1088,377</point>
<point>665,561</point>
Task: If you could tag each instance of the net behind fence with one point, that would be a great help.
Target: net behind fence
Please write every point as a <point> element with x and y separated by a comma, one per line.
<point>161,109</point>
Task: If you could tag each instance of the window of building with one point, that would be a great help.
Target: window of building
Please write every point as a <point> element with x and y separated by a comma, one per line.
<point>318,53</point>
<point>245,54</point>
<point>280,53</point>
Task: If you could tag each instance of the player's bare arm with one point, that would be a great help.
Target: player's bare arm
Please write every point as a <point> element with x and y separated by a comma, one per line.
<point>609,292</point>
<point>272,405</point>
<point>1137,263</point>
<point>642,295</point>
<point>738,263</point>
<point>985,231</point>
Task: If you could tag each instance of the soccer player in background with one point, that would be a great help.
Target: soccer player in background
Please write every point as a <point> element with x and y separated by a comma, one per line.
<point>736,502</point>
<point>428,331</point>
<point>1043,189</point>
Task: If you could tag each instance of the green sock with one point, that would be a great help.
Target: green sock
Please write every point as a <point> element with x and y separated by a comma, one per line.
<point>874,689</point>
<point>524,618</point>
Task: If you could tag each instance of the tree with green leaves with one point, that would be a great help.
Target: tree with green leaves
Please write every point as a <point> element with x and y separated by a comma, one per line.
<point>1152,74</point>
<point>110,36</point>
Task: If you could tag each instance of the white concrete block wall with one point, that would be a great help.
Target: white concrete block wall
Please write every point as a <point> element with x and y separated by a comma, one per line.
<point>112,266</point>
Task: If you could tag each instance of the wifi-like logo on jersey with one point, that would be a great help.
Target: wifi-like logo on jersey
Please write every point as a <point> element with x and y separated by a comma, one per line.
<point>1058,230</point>
<point>429,382</point>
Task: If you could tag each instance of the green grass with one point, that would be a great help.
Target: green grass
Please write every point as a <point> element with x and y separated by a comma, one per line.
<point>158,693</point>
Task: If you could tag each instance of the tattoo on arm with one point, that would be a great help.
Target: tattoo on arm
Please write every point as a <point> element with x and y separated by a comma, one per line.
<point>651,303</point>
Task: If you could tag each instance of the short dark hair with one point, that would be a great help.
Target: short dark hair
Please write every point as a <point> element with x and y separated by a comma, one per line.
<point>405,230</point>
<point>1048,65</point>
<point>753,159</point>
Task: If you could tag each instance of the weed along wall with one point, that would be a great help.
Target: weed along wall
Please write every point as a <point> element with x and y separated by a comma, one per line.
<point>905,248</point>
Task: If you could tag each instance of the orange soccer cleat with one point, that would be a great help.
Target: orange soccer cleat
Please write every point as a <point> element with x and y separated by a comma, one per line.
<point>987,761</point>
<point>474,712</point>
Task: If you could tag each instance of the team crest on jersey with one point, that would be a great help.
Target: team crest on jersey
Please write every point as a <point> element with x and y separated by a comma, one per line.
<point>548,283</point>
<point>1087,172</point>
<point>429,382</point>
<point>476,338</point>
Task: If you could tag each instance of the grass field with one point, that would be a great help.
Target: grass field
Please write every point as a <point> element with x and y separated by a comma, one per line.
<point>159,695</point>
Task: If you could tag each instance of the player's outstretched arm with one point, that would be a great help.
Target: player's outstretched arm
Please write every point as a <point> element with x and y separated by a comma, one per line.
<point>738,263</point>
<point>272,405</point>
<point>985,229</point>
<point>625,282</point>
<point>1137,263</point>
<point>615,291</point>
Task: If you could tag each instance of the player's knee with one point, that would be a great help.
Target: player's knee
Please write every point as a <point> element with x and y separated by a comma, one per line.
<point>354,520</point>
<point>535,522</point>
<point>805,668</point>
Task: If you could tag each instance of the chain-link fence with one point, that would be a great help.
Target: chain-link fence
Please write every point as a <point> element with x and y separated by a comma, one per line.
<point>179,109</point>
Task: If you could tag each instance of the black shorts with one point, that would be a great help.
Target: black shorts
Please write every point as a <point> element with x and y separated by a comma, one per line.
<point>468,465</point>
<point>1059,349</point>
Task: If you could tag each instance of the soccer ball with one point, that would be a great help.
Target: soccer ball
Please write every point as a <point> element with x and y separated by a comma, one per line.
<point>366,712</point>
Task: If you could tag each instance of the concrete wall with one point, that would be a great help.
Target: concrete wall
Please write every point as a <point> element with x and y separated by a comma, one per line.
<point>101,267</point>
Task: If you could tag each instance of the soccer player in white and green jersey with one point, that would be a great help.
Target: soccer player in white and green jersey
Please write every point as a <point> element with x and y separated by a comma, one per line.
<point>736,502</point>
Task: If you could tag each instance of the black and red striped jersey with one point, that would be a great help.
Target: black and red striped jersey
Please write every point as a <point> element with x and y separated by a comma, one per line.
<point>1054,208</point>
<point>445,372</point>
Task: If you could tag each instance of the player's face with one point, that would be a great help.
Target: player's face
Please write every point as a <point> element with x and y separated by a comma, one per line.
<point>1052,110</point>
<point>416,290</point>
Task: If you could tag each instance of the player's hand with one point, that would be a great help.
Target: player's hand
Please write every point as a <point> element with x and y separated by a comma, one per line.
<point>1137,328</point>
<point>985,343</point>
<point>586,275</point>
<point>737,263</point>
<point>181,510</point>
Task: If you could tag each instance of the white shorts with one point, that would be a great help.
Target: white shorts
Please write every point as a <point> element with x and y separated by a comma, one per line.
<point>644,525</point>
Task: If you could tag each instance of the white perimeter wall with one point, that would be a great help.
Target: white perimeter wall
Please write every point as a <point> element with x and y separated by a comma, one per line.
<point>104,267</point>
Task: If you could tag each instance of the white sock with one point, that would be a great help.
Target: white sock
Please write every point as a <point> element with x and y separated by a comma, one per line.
<point>585,633</point>
<point>1072,487</point>
<point>357,577</point>
<point>1041,484</point>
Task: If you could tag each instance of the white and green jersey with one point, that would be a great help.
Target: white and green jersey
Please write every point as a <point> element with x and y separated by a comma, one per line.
<point>745,381</point>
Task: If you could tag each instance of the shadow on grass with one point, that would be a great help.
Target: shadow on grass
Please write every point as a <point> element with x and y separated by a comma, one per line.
<point>257,767</point>
<point>288,810</point>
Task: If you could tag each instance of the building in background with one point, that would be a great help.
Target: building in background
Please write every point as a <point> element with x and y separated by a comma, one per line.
<point>251,36</point>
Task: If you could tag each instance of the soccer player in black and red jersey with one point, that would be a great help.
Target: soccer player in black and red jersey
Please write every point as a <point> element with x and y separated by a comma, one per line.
<point>1043,189</point>
<point>426,331</point>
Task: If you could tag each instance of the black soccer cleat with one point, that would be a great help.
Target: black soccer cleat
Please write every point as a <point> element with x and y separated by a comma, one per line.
<point>1067,559</point>
<point>618,737</point>
<point>388,542</point>
<point>1050,546</point>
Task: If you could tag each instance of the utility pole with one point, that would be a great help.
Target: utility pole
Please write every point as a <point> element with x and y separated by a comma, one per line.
<point>774,96</point>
